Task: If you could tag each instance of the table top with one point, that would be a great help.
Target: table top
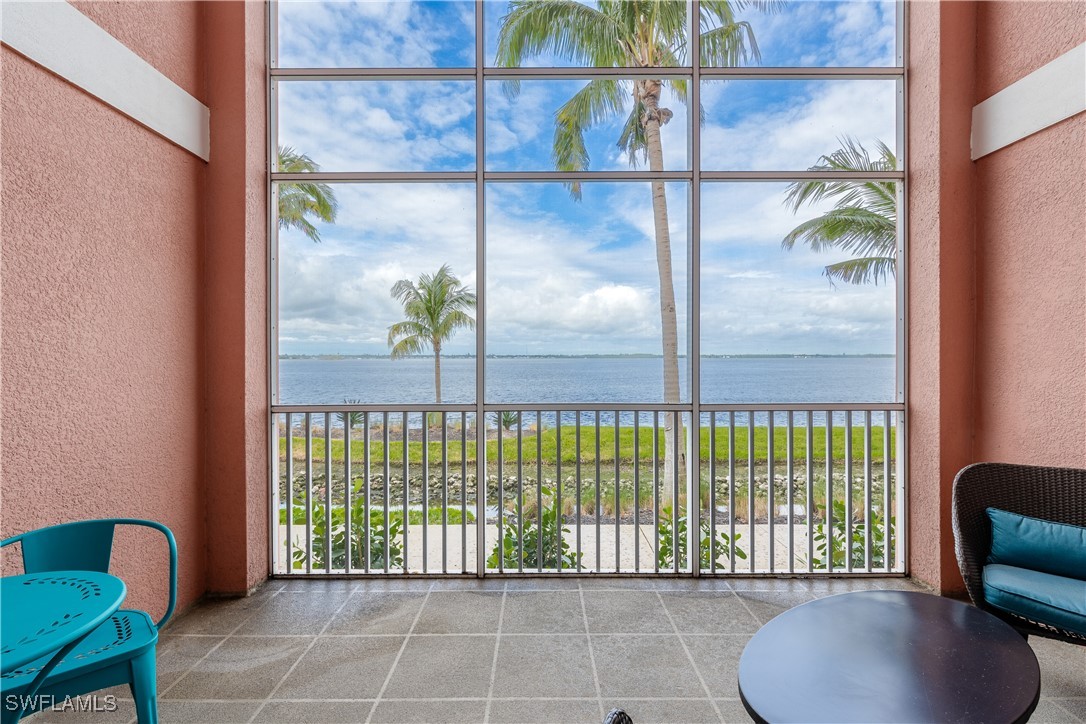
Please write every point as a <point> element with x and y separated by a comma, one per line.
<point>888,656</point>
<point>43,612</point>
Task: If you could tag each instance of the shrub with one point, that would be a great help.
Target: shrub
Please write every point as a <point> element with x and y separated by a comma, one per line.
<point>665,557</point>
<point>859,532</point>
<point>555,548</point>
<point>376,531</point>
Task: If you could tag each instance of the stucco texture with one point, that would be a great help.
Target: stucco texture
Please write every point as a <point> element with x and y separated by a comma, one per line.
<point>101,236</point>
<point>133,285</point>
<point>997,264</point>
<point>941,290</point>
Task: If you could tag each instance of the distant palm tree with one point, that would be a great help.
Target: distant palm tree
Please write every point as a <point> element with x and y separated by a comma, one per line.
<point>300,201</point>
<point>862,223</point>
<point>627,34</point>
<point>352,419</point>
<point>435,308</point>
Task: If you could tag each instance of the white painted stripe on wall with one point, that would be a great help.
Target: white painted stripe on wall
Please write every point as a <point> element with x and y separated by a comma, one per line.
<point>58,37</point>
<point>1046,96</point>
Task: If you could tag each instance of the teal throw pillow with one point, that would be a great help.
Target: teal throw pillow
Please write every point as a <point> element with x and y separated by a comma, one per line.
<point>1039,545</point>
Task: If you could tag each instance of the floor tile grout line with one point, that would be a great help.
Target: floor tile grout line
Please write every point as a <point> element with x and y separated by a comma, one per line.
<point>591,654</point>
<point>346,600</point>
<point>494,661</point>
<point>690,658</point>
<point>396,661</point>
<point>747,608</point>
<point>216,647</point>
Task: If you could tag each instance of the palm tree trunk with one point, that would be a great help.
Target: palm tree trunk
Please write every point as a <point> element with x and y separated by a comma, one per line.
<point>669,327</point>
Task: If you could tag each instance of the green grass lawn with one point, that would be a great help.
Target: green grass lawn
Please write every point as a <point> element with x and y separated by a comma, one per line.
<point>549,446</point>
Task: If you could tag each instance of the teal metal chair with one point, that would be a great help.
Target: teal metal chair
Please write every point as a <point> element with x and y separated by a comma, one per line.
<point>119,651</point>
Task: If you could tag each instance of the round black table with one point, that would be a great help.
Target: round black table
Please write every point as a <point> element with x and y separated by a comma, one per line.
<point>888,656</point>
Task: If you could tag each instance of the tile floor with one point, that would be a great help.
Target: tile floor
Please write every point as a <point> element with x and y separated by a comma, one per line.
<point>665,650</point>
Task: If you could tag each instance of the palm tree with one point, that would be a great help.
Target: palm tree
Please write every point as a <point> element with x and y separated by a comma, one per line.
<point>298,201</point>
<point>622,34</point>
<point>863,222</point>
<point>435,308</point>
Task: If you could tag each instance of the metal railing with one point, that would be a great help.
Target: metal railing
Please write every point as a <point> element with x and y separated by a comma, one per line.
<point>567,489</point>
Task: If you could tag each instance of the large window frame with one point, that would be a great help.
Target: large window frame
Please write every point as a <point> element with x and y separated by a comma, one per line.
<point>694,177</point>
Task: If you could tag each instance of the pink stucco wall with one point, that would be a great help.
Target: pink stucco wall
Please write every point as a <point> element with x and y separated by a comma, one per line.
<point>236,440</point>
<point>1031,254</point>
<point>133,286</point>
<point>997,264</point>
<point>941,292</point>
<point>102,381</point>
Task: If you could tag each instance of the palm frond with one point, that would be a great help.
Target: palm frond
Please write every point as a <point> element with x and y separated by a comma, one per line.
<point>596,102</point>
<point>564,28</point>
<point>864,270</point>
<point>863,221</point>
<point>434,308</point>
<point>300,201</point>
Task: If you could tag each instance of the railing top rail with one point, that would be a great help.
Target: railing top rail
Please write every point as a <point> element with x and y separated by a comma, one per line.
<point>602,406</point>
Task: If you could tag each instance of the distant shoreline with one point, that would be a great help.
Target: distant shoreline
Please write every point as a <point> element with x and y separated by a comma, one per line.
<point>339,357</point>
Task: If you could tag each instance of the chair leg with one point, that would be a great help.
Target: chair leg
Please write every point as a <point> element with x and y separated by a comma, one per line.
<point>144,688</point>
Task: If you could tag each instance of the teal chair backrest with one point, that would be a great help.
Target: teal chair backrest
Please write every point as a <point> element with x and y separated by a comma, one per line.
<point>86,545</point>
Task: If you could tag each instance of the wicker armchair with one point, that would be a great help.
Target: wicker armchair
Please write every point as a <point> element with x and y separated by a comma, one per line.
<point>1056,494</point>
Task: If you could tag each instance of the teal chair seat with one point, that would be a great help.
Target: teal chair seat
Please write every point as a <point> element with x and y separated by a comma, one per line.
<point>1052,600</point>
<point>122,649</point>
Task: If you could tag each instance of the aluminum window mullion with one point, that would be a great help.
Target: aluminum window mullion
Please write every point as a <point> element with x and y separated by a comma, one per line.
<point>480,296</point>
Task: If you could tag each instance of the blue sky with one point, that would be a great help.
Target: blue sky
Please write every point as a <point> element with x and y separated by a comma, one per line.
<point>563,276</point>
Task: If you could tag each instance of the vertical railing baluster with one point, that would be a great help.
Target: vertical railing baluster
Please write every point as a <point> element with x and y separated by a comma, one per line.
<point>656,488</point>
<point>539,489</point>
<point>464,492</point>
<point>444,492</point>
<point>731,490</point>
<point>618,500</point>
<point>387,469</point>
<point>308,493</point>
<point>407,487</point>
<point>809,439</point>
<point>577,452</point>
<point>367,525</point>
<point>712,492</point>
<point>501,497</point>
<point>829,491</point>
<point>327,492</point>
<point>347,492</point>
<point>790,444</point>
<point>752,489</point>
<point>848,491</point>
<point>886,516</point>
<point>290,492</point>
<point>676,426</point>
<point>520,491</point>
<point>425,491</point>
<point>770,500</point>
<point>599,564</point>
<point>637,488</point>
<point>558,482</point>
<point>867,491</point>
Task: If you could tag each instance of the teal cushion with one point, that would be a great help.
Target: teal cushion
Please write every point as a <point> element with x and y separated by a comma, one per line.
<point>1040,545</point>
<point>1054,600</point>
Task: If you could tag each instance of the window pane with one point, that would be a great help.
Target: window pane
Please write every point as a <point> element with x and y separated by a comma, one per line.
<point>335,297</point>
<point>670,26</point>
<point>774,326</point>
<point>380,126</point>
<point>818,33</point>
<point>371,34</point>
<point>778,125</point>
<point>573,300</point>
<point>521,131</point>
